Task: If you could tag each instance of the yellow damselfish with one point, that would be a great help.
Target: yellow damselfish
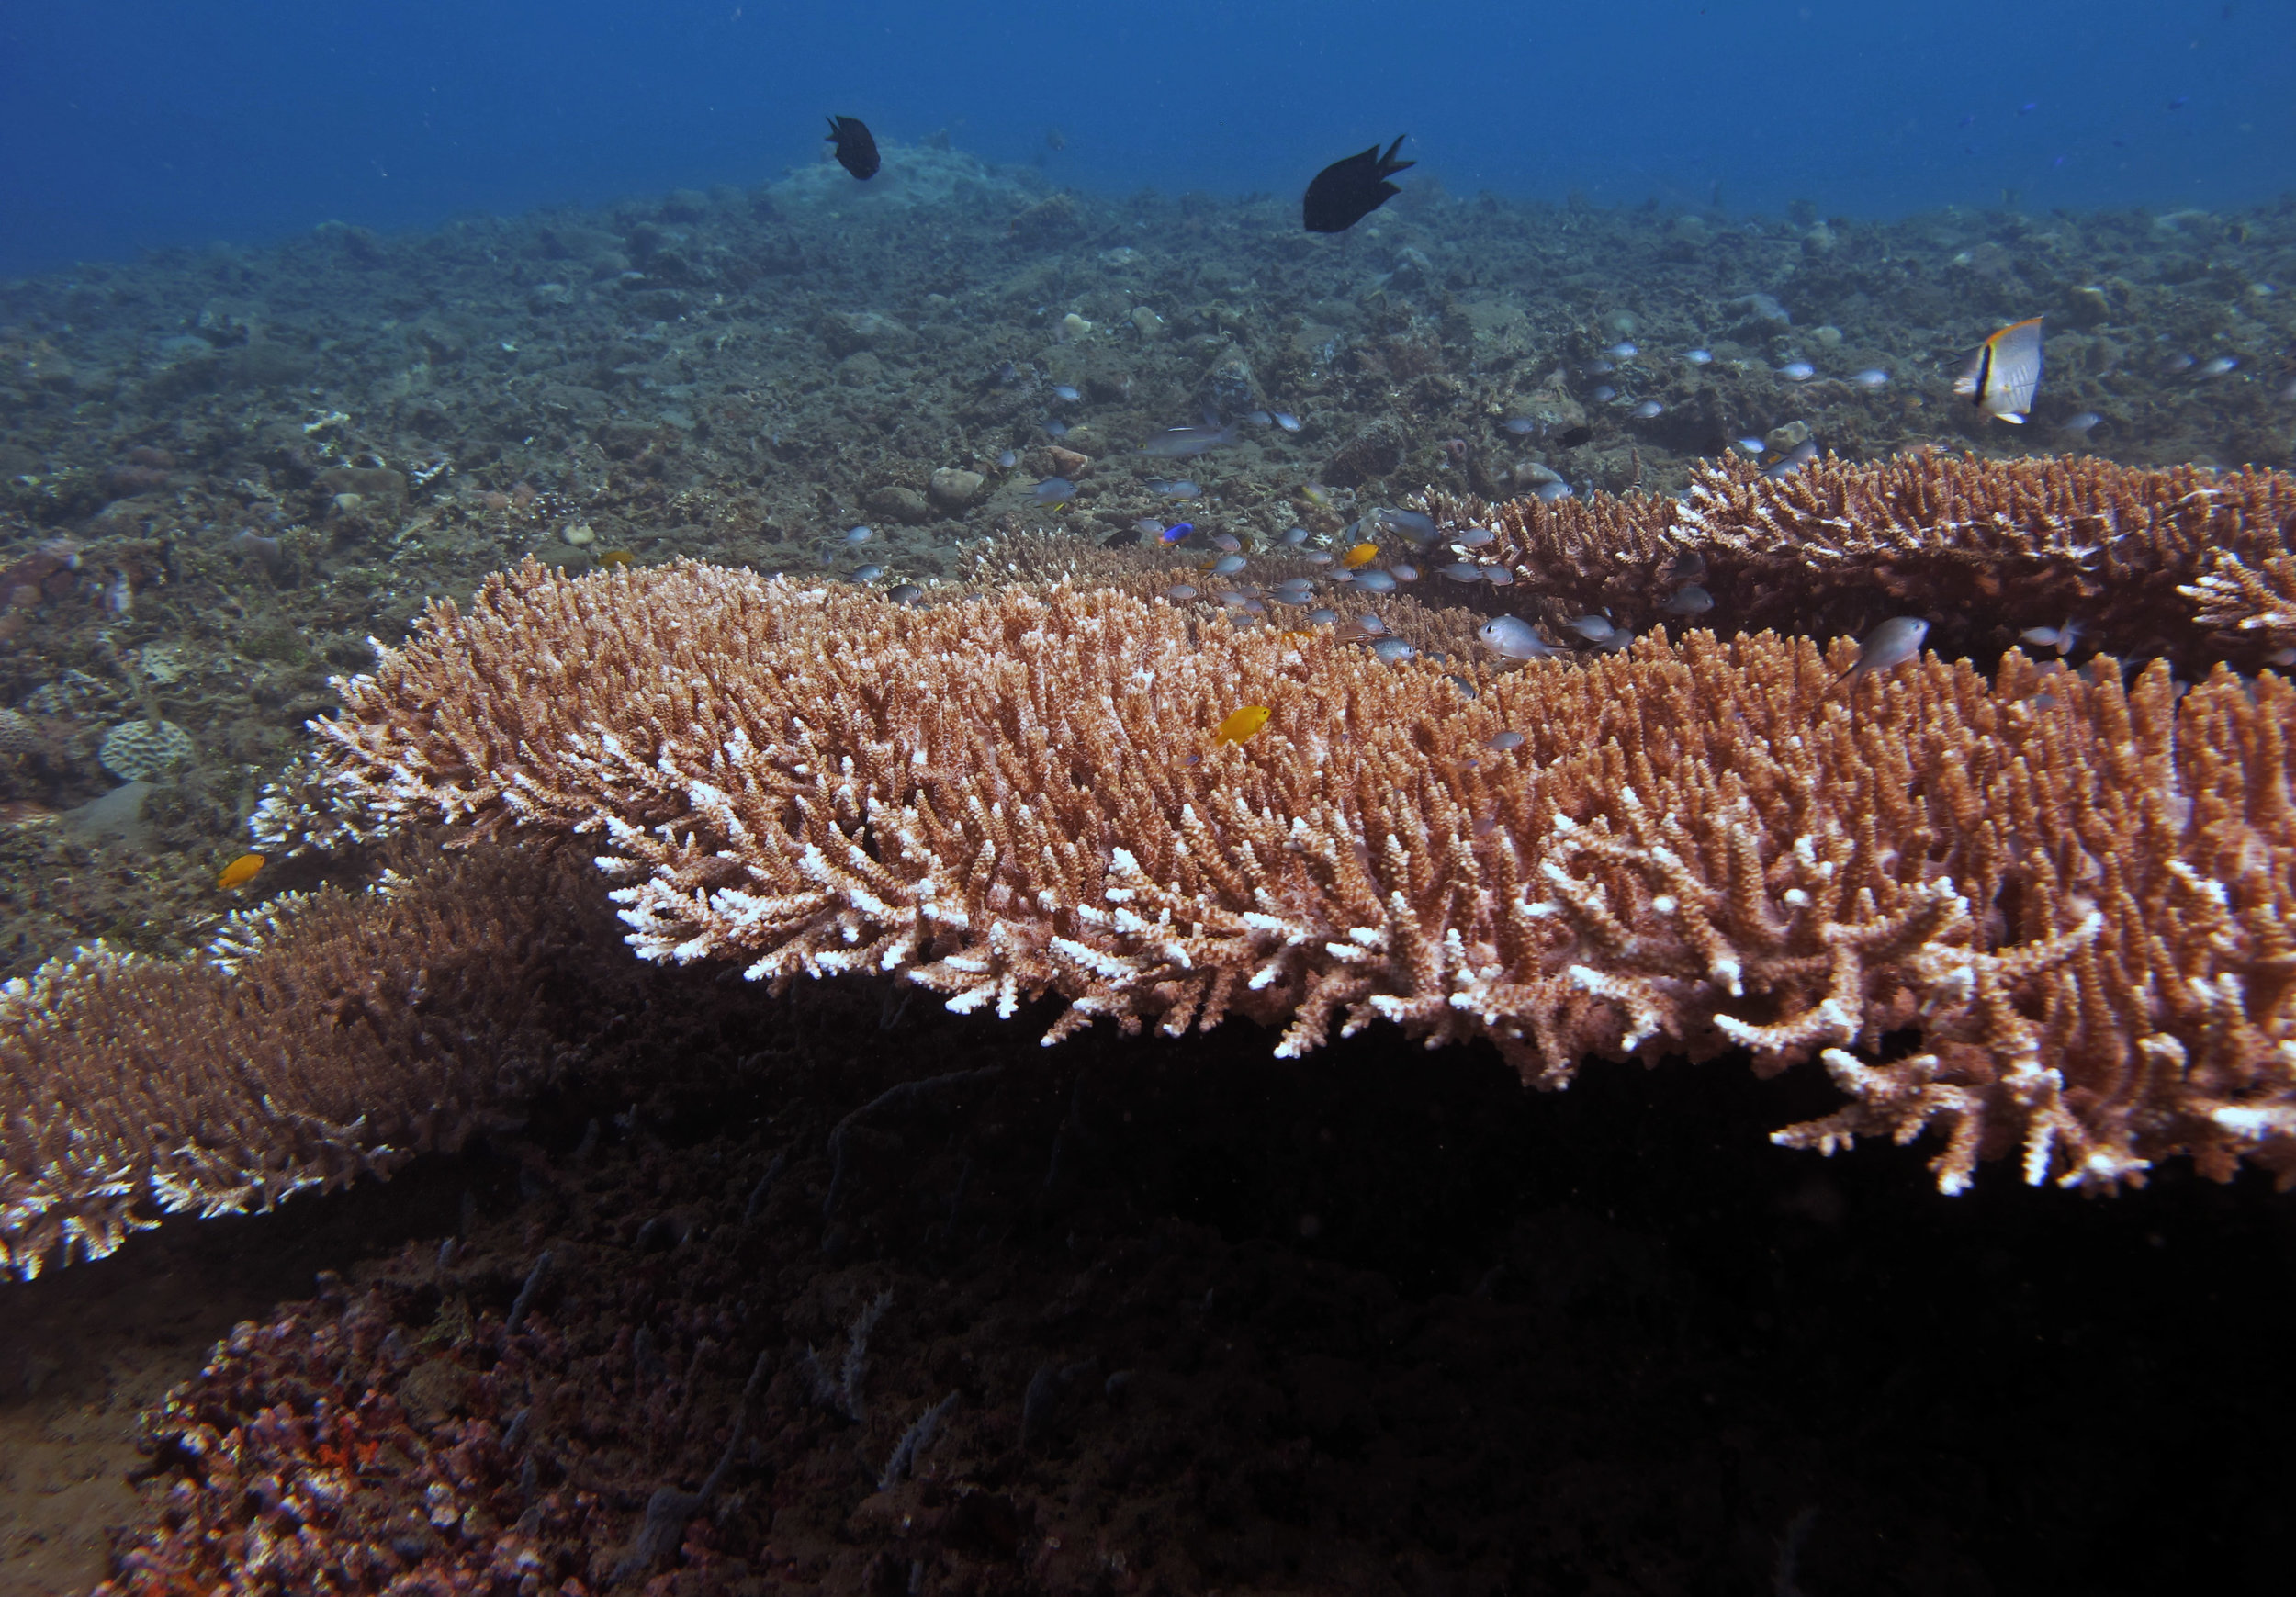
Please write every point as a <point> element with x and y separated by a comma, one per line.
<point>1361,555</point>
<point>1240,724</point>
<point>239,871</point>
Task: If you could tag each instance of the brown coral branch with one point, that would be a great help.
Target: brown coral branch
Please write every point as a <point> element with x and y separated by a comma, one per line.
<point>329,1035</point>
<point>2184,562</point>
<point>2077,897</point>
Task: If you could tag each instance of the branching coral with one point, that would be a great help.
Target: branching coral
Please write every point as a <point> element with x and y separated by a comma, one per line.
<point>2075,897</point>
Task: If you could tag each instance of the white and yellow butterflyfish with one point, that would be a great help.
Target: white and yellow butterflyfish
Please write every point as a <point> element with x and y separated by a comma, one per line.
<point>2001,379</point>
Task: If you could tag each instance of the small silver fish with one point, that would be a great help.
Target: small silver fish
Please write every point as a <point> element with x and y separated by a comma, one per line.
<point>1521,426</point>
<point>1472,537</point>
<point>868,573</point>
<point>1063,391</point>
<point>1504,741</point>
<point>1317,556</point>
<point>1228,565</point>
<point>2218,368</point>
<point>1594,628</point>
<point>1226,542</point>
<point>907,593</point>
<point>1599,368</point>
<point>1322,617</point>
<point>1403,572</point>
<point>1054,491</point>
<point>2080,424</point>
<point>1149,527</point>
<point>1622,351</point>
<point>1393,650</point>
<point>1871,378</point>
<point>1750,446</point>
<point>1179,590</point>
<point>1698,358</point>
<point>1498,576</point>
<point>1461,683</point>
<point>1649,410</point>
<point>1511,637</point>
<point>1182,488</point>
<point>1893,643</point>
<point>1371,580</point>
<point>1259,419</point>
<point>1287,421</point>
<point>2061,638</point>
<point>1007,459</point>
<point>1690,600</point>
<point>1551,492</point>
<point>1461,572</point>
<point>1410,523</point>
<point>1178,442</point>
<point>1797,371</point>
<point>1603,395</point>
<point>1056,428</point>
<point>1293,537</point>
<point>1369,625</point>
<point>857,537</point>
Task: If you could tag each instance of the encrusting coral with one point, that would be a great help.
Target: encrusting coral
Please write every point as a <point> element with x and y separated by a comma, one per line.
<point>2180,561</point>
<point>329,1035</point>
<point>2074,895</point>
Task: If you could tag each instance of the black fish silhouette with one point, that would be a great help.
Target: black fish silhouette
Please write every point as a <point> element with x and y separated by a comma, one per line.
<point>856,150</point>
<point>1347,191</point>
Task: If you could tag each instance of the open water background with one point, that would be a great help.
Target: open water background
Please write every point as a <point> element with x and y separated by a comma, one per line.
<point>128,125</point>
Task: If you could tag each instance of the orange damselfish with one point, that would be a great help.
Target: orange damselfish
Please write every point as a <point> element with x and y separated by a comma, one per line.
<point>239,871</point>
<point>1361,555</point>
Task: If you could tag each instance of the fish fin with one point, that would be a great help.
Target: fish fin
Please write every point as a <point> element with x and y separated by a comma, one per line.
<point>1389,165</point>
<point>2011,417</point>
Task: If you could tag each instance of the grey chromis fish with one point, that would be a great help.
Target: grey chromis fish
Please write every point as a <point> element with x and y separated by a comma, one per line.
<point>1322,617</point>
<point>1698,358</point>
<point>2081,423</point>
<point>1650,411</point>
<point>1393,650</point>
<point>1228,565</point>
<point>1178,591</point>
<point>907,593</point>
<point>1226,542</point>
<point>1054,491</point>
<point>1622,351</point>
<point>1410,523</point>
<point>1180,489</point>
<point>1063,391</point>
<point>1293,537</point>
<point>1797,371</point>
<point>859,536</point>
<point>1871,378</point>
<point>868,573</point>
<point>1549,492</point>
<point>1893,643</point>
<point>1007,459</point>
<point>1689,599</point>
<point>1287,421</point>
<point>1512,637</point>
<point>1521,426</point>
<point>1371,580</point>
<point>1472,537</point>
<point>1055,428</point>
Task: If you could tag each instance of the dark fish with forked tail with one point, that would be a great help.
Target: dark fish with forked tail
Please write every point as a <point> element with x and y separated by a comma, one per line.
<point>856,147</point>
<point>1347,191</point>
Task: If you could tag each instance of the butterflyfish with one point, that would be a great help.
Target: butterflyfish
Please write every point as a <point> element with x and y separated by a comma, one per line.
<point>1240,724</point>
<point>2001,379</point>
<point>239,871</point>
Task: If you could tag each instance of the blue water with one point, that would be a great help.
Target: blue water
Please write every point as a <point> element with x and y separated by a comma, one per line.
<point>128,126</point>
